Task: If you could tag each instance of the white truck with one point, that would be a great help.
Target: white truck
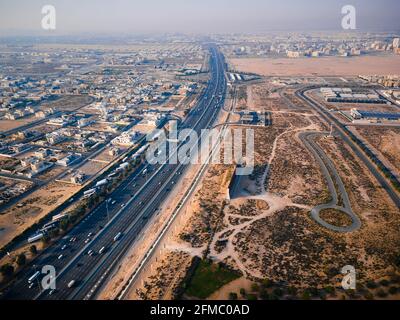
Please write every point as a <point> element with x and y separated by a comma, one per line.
<point>118,236</point>
<point>36,237</point>
<point>89,192</point>
<point>34,277</point>
<point>101,183</point>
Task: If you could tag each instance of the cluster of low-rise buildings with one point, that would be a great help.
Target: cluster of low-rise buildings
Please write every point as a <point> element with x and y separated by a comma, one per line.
<point>84,107</point>
<point>128,138</point>
<point>374,116</point>
<point>347,95</point>
<point>309,45</point>
<point>389,81</point>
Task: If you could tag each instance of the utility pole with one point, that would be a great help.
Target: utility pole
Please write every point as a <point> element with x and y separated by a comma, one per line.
<point>108,214</point>
<point>331,132</point>
<point>37,278</point>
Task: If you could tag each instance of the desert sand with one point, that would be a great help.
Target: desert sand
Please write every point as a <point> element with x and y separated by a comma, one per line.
<point>324,66</point>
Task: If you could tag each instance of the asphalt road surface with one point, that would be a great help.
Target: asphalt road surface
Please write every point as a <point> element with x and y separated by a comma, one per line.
<point>127,212</point>
<point>329,170</point>
<point>386,185</point>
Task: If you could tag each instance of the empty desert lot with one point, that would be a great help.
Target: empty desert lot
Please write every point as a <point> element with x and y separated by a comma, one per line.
<point>323,66</point>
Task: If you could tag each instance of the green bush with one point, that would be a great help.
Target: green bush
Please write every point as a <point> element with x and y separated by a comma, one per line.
<point>395,278</point>
<point>64,224</point>
<point>381,293</point>
<point>233,296</point>
<point>46,239</point>
<point>351,294</point>
<point>306,295</point>
<point>329,289</point>
<point>369,296</point>
<point>292,290</point>
<point>393,290</point>
<point>7,270</point>
<point>255,287</point>
<point>314,292</point>
<point>384,283</point>
<point>33,249</point>
<point>264,295</point>
<point>278,292</point>
<point>372,284</point>
<point>251,297</point>
<point>21,259</point>
<point>266,283</point>
<point>209,277</point>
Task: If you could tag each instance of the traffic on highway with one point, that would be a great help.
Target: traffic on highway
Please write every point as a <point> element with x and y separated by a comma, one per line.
<point>84,258</point>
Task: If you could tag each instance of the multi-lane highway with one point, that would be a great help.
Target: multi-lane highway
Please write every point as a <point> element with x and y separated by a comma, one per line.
<point>89,252</point>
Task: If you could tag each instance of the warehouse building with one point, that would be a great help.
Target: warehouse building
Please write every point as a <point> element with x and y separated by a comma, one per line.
<point>346,95</point>
<point>374,116</point>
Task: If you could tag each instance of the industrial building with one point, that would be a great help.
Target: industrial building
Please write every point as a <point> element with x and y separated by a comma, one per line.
<point>235,77</point>
<point>346,95</point>
<point>374,116</point>
<point>69,159</point>
<point>250,117</point>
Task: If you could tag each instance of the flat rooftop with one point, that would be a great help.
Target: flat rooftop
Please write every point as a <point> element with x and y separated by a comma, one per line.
<point>379,115</point>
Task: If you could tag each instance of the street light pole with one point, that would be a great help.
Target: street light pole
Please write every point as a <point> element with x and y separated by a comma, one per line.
<point>37,278</point>
<point>108,214</point>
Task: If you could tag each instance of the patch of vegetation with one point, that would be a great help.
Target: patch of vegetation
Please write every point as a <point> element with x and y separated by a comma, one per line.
<point>336,217</point>
<point>384,283</point>
<point>382,293</point>
<point>393,290</point>
<point>251,297</point>
<point>7,270</point>
<point>209,277</point>
<point>372,284</point>
<point>233,296</point>
<point>21,259</point>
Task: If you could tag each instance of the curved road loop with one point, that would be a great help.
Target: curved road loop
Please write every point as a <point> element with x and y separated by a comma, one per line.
<point>329,170</point>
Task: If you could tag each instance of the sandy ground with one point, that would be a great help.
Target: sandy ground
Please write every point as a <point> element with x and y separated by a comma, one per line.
<point>91,168</point>
<point>255,190</point>
<point>234,286</point>
<point>168,253</point>
<point>266,231</point>
<point>34,207</point>
<point>329,66</point>
<point>137,251</point>
<point>6,125</point>
<point>169,249</point>
<point>386,142</point>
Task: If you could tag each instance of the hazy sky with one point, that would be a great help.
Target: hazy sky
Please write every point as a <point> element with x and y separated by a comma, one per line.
<point>198,16</point>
